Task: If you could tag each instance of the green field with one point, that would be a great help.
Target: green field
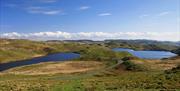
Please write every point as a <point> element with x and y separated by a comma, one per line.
<point>110,80</point>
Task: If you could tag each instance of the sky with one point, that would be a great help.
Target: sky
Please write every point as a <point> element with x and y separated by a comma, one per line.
<point>90,19</point>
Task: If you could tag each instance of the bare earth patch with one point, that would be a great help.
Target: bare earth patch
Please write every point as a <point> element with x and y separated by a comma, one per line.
<point>56,67</point>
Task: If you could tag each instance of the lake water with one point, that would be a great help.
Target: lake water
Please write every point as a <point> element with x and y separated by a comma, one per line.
<point>48,58</point>
<point>147,54</point>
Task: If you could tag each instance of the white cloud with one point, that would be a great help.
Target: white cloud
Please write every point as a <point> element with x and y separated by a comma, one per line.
<point>58,35</point>
<point>43,10</point>
<point>163,13</point>
<point>84,7</point>
<point>144,15</point>
<point>12,35</point>
<point>52,12</point>
<point>104,14</point>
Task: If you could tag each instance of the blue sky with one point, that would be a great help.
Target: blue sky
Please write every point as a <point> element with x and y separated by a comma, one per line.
<point>86,19</point>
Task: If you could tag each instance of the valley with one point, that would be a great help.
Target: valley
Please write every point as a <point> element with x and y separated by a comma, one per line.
<point>98,68</point>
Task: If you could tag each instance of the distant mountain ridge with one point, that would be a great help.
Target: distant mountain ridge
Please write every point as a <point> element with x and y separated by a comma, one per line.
<point>139,44</point>
<point>143,41</point>
<point>121,40</point>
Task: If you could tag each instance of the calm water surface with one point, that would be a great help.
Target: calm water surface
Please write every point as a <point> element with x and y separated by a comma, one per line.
<point>48,58</point>
<point>147,54</point>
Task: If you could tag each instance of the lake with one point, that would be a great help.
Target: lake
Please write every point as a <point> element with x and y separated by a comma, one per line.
<point>48,58</point>
<point>147,54</point>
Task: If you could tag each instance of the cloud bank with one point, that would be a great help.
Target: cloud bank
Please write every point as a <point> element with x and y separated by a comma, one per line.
<point>59,35</point>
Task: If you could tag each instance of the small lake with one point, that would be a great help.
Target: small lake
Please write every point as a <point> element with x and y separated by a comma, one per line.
<point>147,54</point>
<point>48,58</point>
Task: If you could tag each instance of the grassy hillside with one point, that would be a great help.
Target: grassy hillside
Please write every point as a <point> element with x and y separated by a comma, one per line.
<point>117,79</point>
<point>177,51</point>
<point>133,44</point>
<point>13,50</point>
<point>143,44</point>
<point>96,70</point>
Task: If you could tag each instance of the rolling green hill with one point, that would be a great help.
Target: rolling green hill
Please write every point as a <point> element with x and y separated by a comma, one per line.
<point>98,69</point>
<point>143,44</point>
<point>13,50</point>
